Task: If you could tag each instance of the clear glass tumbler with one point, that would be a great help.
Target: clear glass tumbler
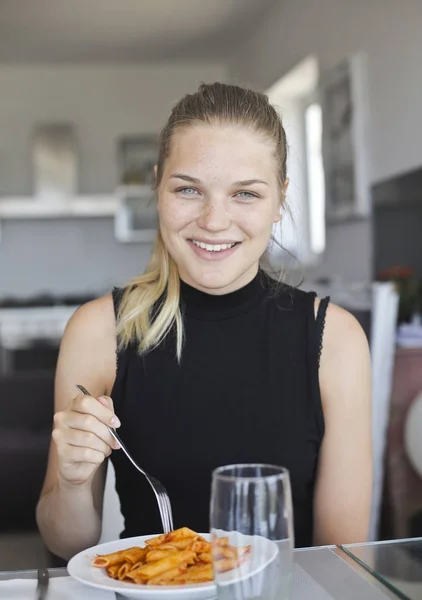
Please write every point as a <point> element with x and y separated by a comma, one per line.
<point>252,532</point>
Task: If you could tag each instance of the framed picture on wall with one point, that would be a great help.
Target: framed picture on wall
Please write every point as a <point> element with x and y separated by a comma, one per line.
<point>136,217</point>
<point>345,148</point>
<point>137,156</point>
<point>54,161</point>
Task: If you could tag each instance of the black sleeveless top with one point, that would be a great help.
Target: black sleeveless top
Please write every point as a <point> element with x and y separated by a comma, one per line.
<point>246,390</point>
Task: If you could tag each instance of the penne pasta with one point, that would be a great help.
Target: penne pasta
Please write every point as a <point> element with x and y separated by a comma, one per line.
<point>123,571</point>
<point>134,555</point>
<point>200,574</point>
<point>108,560</point>
<point>205,557</point>
<point>168,576</point>
<point>159,554</point>
<point>181,544</point>
<point>225,552</point>
<point>112,571</point>
<point>181,557</point>
<point>173,536</point>
<point>165,564</point>
<point>198,546</point>
<point>225,564</point>
<point>222,541</point>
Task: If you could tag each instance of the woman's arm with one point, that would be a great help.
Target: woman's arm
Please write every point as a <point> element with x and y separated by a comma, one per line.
<point>70,507</point>
<point>344,478</point>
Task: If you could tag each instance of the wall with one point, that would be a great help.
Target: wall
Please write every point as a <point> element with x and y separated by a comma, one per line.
<point>390,33</point>
<point>65,256</point>
<point>104,103</point>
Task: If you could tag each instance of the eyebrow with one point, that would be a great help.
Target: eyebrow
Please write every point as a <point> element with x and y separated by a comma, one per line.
<point>191,179</point>
<point>250,182</point>
<point>185,177</point>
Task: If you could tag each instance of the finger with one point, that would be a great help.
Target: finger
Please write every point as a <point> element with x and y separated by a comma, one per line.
<point>76,454</point>
<point>83,439</point>
<point>91,406</point>
<point>88,423</point>
<point>107,402</point>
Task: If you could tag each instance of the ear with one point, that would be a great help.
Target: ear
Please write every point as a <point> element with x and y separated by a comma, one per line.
<point>277,215</point>
<point>155,172</point>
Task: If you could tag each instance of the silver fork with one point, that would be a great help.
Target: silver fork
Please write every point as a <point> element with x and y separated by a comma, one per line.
<point>159,490</point>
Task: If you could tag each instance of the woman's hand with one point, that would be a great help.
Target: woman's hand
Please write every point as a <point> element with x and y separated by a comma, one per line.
<point>82,438</point>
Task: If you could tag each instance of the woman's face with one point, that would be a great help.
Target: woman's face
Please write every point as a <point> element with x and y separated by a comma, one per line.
<point>217,202</point>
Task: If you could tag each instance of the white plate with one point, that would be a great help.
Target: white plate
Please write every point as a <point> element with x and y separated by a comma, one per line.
<point>263,552</point>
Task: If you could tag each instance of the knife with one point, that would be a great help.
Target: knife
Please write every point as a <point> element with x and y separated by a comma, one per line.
<point>42,586</point>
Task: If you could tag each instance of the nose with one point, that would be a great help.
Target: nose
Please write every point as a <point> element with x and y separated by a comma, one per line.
<point>214,216</point>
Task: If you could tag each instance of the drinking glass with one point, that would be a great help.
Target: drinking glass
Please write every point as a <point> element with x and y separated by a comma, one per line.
<point>252,532</point>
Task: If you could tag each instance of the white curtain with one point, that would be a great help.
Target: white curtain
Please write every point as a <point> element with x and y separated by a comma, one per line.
<point>383,343</point>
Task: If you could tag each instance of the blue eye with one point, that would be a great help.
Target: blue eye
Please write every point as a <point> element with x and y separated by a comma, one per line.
<point>246,195</point>
<point>188,191</point>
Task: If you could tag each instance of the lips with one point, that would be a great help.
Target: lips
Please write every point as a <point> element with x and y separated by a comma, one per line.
<point>218,247</point>
<point>213,251</point>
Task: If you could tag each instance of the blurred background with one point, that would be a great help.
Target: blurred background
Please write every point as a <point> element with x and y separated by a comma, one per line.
<point>86,85</point>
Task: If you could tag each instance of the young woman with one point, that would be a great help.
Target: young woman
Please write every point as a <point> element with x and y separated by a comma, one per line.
<point>205,360</point>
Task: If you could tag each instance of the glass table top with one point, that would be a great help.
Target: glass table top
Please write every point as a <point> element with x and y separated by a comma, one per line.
<point>397,564</point>
<point>372,571</point>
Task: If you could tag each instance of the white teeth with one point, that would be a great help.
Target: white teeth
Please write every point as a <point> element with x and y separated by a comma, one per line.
<point>213,247</point>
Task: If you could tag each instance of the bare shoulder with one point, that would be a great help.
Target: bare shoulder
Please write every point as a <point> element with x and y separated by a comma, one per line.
<point>345,359</point>
<point>95,317</point>
<point>341,327</point>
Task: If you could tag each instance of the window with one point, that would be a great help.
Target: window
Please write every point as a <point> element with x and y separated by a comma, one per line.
<point>296,97</point>
<point>315,177</point>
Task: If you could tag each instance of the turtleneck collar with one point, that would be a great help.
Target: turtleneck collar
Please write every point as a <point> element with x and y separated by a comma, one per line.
<point>201,305</point>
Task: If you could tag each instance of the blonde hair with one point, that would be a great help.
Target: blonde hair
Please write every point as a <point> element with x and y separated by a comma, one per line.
<point>150,305</point>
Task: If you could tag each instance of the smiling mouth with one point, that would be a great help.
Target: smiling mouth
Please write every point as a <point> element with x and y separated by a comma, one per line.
<point>214,247</point>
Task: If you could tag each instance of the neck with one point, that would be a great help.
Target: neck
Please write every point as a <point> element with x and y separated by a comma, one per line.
<point>203,305</point>
<point>213,290</point>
